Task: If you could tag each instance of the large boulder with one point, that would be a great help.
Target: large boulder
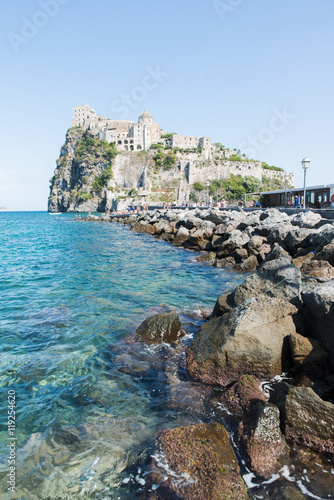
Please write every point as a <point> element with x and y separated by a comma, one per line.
<point>237,239</point>
<point>248,340</point>
<point>295,238</point>
<point>189,222</point>
<point>319,238</point>
<point>241,397</point>
<point>308,355</point>
<point>306,219</point>
<point>163,327</point>
<point>262,440</point>
<point>275,278</point>
<point>309,420</point>
<point>319,315</point>
<point>195,462</point>
<point>327,253</point>
<point>181,236</point>
<point>318,269</point>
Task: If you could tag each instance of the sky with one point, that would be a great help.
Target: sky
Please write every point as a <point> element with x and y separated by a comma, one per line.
<point>256,75</point>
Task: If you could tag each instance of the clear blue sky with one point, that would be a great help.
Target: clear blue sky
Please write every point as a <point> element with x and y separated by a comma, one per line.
<point>252,73</point>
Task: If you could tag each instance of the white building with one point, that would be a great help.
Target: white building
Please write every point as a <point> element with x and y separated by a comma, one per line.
<point>130,136</point>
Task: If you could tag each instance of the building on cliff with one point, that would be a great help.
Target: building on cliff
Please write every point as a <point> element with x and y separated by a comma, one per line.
<point>130,136</point>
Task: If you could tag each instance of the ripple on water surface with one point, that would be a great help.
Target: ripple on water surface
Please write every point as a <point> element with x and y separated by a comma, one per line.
<point>89,403</point>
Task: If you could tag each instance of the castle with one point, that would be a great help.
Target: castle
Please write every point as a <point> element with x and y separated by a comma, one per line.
<point>130,136</point>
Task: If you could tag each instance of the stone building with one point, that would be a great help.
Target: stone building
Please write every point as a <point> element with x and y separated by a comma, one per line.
<point>130,136</point>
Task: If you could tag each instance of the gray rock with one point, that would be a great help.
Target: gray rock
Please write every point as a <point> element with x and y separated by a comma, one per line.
<point>237,239</point>
<point>276,278</point>
<point>279,232</point>
<point>306,219</point>
<point>327,253</point>
<point>319,315</point>
<point>181,236</point>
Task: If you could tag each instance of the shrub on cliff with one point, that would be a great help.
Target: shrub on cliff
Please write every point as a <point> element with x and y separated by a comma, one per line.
<point>101,180</point>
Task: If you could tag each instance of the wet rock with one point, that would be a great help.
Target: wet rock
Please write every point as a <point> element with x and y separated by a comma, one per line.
<point>306,219</point>
<point>262,440</point>
<point>223,305</point>
<point>309,420</point>
<point>206,257</point>
<point>181,236</point>
<point>318,269</point>
<point>319,315</point>
<point>196,462</point>
<point>163,327</point>
<point>226,262</point>
<point>242,396</point>
<point>248,340</point>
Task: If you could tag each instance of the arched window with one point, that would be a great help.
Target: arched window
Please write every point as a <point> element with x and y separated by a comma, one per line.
<point>126,142</point>
<point>131,148</point>
<point>119,142</point>
<point>131,142</point>
<point>139,146</point>
<point>126,148</point>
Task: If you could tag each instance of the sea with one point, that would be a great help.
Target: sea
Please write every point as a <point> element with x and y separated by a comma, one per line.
<point>82,402</point>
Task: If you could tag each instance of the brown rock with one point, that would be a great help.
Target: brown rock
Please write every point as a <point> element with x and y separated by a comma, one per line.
<point>262,440</point>
<point>299,261</point>
<point>223,305</point>
<point>181,236</point>
<point>227,262</point>
<point>195,463</point>
<point>206,257</point>
<point>309,420</point>
<point>243,395</point>
<point>318,269</point>
<point>163,327</point>
<point>239,255</point>
<point>248,340</point>
<point>307,353</point>
<point>248,265</point>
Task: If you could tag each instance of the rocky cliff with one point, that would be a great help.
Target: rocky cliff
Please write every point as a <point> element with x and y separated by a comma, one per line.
<point>92,175</point>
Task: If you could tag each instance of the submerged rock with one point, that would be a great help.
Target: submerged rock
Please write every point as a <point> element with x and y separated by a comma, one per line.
<point>163,327</point>
<point>248,340</point>
<point>196,462</point>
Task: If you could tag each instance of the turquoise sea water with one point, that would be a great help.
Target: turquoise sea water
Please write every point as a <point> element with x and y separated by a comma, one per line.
<point>70,292</point>
<point>89,403</point>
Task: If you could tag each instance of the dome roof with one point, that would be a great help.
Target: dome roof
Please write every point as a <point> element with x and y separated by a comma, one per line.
<point>146,116</point>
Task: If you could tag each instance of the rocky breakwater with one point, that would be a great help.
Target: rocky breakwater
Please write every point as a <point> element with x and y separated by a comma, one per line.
<point>243,240</point>
<point>279,319</point>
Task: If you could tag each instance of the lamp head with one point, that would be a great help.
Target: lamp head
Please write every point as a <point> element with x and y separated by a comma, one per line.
<point>306,163</point>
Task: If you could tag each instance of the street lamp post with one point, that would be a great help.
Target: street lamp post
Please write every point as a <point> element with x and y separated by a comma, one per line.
<point>286,186</point>
<point>305,164</point>
<point>207,193</point>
